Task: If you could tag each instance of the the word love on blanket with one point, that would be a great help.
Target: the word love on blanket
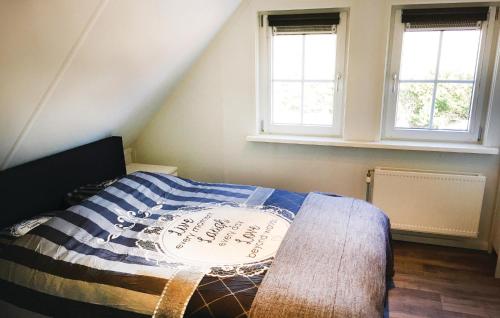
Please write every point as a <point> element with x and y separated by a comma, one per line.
<point>219,239</point>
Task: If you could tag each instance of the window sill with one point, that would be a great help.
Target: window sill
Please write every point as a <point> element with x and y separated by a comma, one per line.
<point>384,144</point>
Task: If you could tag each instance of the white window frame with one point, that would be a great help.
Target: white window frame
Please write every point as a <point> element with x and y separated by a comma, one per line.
<point>265,86</point>
<point>479,100</point>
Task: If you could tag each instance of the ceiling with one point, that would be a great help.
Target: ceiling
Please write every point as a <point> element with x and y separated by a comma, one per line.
<point>75,71</point>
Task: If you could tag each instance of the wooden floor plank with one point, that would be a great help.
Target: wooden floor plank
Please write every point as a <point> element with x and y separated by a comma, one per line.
<point>435,281</point>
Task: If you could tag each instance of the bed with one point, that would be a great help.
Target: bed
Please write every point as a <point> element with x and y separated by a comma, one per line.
<point>150,244</point>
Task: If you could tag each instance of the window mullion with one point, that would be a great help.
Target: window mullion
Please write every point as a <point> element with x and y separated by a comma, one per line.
<point>433,103</point>
<point>302,80</point>
<point>438,81</point>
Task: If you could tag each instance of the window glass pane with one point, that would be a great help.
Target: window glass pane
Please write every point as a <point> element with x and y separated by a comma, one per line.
<point>319,52</point>
<point>287,57</point>
<point>286,103</point>
<point>452,107</point>
<point>419,55</point>
<point>414,105</point>
<point>459,55</point>
<point>318,103</point>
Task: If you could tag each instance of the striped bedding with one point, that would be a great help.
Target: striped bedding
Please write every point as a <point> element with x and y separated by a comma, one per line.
<point>85,263</point>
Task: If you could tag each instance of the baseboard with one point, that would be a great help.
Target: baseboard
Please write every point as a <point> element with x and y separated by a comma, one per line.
<point>444,241</point>
<point>497,271</point>
<point>496,247</point>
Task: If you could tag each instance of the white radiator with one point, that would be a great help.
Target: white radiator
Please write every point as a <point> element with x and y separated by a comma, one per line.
<point>430,201</point>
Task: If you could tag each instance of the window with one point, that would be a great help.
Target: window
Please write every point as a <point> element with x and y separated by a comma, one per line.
<point>301,73</point>
<point>438,62</point>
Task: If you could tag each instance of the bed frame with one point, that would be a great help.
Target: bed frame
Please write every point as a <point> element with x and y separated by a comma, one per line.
<point>39,186</point>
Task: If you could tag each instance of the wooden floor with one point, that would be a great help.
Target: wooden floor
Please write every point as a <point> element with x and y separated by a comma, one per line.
<point>434,281</point>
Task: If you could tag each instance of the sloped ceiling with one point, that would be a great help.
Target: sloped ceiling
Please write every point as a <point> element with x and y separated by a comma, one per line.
<point>73,71</point>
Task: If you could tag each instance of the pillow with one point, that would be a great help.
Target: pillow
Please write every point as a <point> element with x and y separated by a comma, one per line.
<point>23,227</point>
<point>81,193</point>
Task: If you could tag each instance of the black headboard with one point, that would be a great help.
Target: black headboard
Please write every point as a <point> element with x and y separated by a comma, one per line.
<point>39,186</point>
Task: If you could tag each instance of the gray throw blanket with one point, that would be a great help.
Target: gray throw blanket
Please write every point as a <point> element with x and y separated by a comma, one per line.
<point>333,262</point>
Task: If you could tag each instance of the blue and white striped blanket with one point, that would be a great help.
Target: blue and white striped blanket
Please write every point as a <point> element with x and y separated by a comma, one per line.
<point>124,251</point>
<point>85,261</point>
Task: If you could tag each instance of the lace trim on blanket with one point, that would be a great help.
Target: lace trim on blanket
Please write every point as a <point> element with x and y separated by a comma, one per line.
<point>222,240</point>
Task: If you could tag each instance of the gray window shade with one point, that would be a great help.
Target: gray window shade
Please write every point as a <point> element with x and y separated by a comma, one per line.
<point>306,29</point>
<point>439,18</point>
<point>304,23</point>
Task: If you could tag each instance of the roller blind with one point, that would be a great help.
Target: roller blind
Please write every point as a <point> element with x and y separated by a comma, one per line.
<point>470,17</point>
<point>304,23</point>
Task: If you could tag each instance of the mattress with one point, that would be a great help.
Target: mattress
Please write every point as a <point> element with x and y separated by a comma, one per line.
<point>158,245</point>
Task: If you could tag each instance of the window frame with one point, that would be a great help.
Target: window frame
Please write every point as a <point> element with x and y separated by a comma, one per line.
<point>479,98</point>
<point>265,85</point>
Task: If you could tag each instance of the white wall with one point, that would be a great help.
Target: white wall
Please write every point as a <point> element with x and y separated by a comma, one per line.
<point>496,227</point>
<point>496,231</point>
<point>496,127</point>
<point>203,125</point>
<point>74,71</point>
